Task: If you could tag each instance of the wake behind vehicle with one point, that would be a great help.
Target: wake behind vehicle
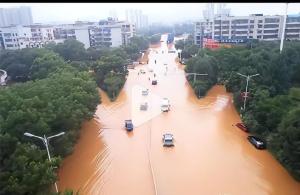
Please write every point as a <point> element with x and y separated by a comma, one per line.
<point>144,106</point>
<point>145,92</point>
<point>257,142</point>
<point>242,126</point>
<point>128,125</point>
<point>168,140</point>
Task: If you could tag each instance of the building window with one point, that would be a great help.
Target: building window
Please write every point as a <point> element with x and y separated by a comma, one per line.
<point>292,36</point>
<point>251,21</point>
<point>270,31</point>
<point>292,30</point>
<point>270,36</point>
<point>241,21</point>
<point>259,36</point>
<point>271,26</point>
<point>293,19</point>
<point>271,20</point>
<point>9,45</point>
<point>260,21</point>
<point>293,25</point>
<point>8,40</point>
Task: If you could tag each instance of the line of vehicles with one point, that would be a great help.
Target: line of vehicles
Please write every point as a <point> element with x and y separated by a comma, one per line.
<point>165,107</point>
<point>254,140</point>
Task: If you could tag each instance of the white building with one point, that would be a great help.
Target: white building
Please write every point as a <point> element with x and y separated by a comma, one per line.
<point>226,28</point>
<point>292,30</point>
<point>15,16</point>
<point>111,33</point>
<point>15,37</point>
<point>137,18</point>
<point>40,35</point>
<point>79,31</point>
<point>20,37</point>
<point>241,28</point>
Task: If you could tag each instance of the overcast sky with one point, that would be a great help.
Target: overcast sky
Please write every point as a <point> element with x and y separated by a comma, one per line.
<point>157,12</point>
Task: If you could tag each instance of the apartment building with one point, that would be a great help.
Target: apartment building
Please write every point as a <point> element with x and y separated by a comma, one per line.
<point>15,16</point>
<point>79,31</point>
<point>20,37</point>
<point>137,18</point>
<point>292,29</point>
<point>111,33</point>
<point>239,28</point>
<point>15,37</point>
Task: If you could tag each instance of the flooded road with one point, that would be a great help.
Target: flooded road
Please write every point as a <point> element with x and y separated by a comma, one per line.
<point>211,155</point>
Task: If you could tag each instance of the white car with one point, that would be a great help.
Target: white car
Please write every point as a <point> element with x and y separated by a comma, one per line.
<point>165,106</point>
<point>168,140</point>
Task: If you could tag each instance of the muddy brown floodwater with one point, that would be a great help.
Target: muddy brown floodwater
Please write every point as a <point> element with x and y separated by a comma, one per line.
<point>211,156</point>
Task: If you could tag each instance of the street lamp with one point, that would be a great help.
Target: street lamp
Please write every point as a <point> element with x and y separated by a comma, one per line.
<point>248,78</point>
<point>283,28</point>
<point>46,141</point>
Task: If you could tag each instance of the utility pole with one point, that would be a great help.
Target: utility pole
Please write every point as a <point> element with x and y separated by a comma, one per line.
<point>246,93</point>
<point>46,141</point>
<point>283,28</point>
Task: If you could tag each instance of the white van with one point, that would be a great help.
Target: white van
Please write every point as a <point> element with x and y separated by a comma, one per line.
<point>165,106</point>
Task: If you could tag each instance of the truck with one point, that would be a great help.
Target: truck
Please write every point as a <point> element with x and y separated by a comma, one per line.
<point>165,106</point>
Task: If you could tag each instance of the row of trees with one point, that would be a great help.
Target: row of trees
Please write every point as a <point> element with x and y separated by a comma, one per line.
<point>187,47</point>
<point>55,90</point>
<point>273,108</point>
<point>59,98</point>
<point>107,63</point>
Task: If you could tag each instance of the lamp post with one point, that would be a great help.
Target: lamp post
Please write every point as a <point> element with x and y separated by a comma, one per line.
<point>283,28</point>
<point>46,141</point>
<point>246,93</point>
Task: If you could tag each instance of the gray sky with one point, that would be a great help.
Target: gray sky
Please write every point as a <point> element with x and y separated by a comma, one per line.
<point>157,12</point>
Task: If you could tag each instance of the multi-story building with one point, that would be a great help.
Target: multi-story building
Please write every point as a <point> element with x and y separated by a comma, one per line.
<point>79,31</point>
<point>15,16</point>
<point>111,33</point>
<point>15,37</point>
<point>292,30</point>
<point>224,28</point>
<point>40,35</point>
<point>19,37</point>
<point>137,18</point>
<point>239,28</point>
